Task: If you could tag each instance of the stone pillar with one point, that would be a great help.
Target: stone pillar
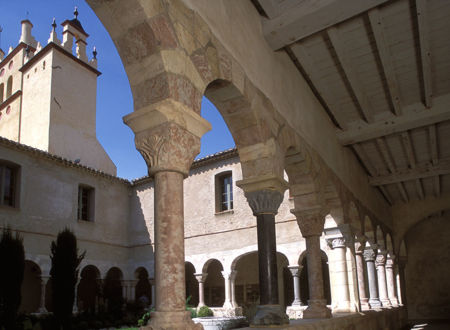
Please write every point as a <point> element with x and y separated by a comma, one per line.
<point>44,281</point>
<point>311,226</point>
<point>359,249</point>
<point>153,288</point>
<point>390,280</point>
<point>233,288</point>
<point>75,300</point>
<point>341,274</point>
<point>227,276</point>
<point>397,284</point>
<point>201,278</point>
<point>264,197</point>
<point>369,257</point>
<point>401,272</point>
<point>380,261</point>
<point>167,134</point>
<point>295,271</point>
<point>124,291</point>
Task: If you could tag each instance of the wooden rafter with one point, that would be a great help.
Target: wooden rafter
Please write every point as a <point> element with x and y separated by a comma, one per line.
<point>425,53</point>
<point>415,117</point>
<point>350,73</point>
<point>407,144</point>
<point>376,23</point>
<point>433,144</point>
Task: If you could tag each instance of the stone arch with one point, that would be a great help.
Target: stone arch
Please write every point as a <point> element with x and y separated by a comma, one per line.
<point>89,288</point>
<point>355,218</point>
<point>214,283</point>
<point>143,286</point>
<point>389,243</point>
<point>112,289</point>
<point>31,288</point>
<point>402,252</point>
<point>369,231</point>
<point>191,283</point>
<point>379,237</point>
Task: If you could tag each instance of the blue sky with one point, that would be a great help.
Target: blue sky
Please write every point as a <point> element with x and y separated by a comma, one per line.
<point>114,99</point>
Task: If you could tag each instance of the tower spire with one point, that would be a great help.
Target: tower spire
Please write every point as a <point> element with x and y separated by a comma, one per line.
<point>75,12</point>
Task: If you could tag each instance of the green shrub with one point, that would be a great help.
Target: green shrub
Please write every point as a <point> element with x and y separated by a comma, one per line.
<point>12,265</point>
<point>193,312</point>
<point>205,311</point>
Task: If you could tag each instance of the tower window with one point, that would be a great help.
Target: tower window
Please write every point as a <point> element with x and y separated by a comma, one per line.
<point>224,191</point>
<point>9,87</point>
<point>86,202</point>
<point>2,90</point>
<point>8,184</point>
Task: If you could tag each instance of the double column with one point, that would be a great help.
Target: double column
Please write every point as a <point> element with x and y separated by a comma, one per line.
<point>369,257</point>
<point>167,134</point>
<point>359,249</point>
<point>390,279</point>
<point>380,262</point>
<point>264,195</point>
<point>311,225</point>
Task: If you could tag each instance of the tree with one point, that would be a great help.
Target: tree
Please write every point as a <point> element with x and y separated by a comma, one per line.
<point>12,265</point>
<point>64,275</point>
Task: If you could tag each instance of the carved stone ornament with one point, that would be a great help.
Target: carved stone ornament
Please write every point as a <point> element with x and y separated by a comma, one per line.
<point>390,262</point>
<point>380,260</point>
<point>369,255</point>
<point>334,243</point>
<point>168,147</point>
<point>310,223</point>
<point>201,277</point>
<point>295,270</point>
<point>264,201</point>
<point>360,243</point>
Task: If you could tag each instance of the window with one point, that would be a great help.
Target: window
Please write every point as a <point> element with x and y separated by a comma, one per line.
<point>224,192</point>
<point>86,202</point>
<point>2,90</point>
<point>9,87</point>
<point>8,184</point>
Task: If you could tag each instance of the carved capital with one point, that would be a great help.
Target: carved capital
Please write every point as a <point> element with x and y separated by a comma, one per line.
<point>369,255</point>
<point>381,259</point>
<point>168,147</point>
<point>360,243</point>
<point>229,275</point>
<point>390,260</point>
<point>310,223</point>
<point>334,243</point>
<point>295,270</point>
<point>201,277</point>
<point>264,201</point>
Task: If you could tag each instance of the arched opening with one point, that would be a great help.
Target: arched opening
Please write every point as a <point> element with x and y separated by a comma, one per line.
<point>214,284</point>
<point>191,284</point>
<point>112,290</point>
<point>2,91</point>
<point>304,287</point>
<point>9,86</point>
<point>143,289</point>
<point>31,288</point>
<point>89,289</point>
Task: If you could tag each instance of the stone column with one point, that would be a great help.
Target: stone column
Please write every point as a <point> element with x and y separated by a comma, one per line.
<point>391,280</point>
<point>341,274</point>
<point>359,249</point>
<point>311,226</point>
<point>133,284</point>
<point>295,271</point>
<point>124,291</point>
<point>264,197</point>
<point>153,288</point>
<point>227,276</point>
<point>167,134</point>
<point>44,281</point>
<point>369,257</point>
<point>380,261</point>
<point>201,278</point>
<point>401,272</point>
<point>233,288</point>
<point>75,300</point>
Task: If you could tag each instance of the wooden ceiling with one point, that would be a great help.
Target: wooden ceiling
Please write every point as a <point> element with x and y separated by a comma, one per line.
<point>381,70</point>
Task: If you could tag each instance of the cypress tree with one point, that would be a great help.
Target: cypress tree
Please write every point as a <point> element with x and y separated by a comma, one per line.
<point>64,274</point>
<point>12,265</point>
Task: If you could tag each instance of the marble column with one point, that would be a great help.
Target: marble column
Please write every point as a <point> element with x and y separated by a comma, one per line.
<point>233,289</point>
<point>369,257</point>
<point>264,197</point>
<point>311,225</point>
<point>401,272</point>
<point>75,300</point>
<point>227,277</point>
<point>167,134</point>
<point>295,271</point>
<point>44,281</point>
<point>397,282</point>
<point>359,249</point>
<point>380,261</point>
<point>390,280</point>
<point>201,278</point>
<point>340,274</point>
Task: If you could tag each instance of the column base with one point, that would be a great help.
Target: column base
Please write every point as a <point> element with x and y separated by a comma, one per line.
<point>374,303</point>
<point>317,309</point>
<point>394,302</point>
<point>172,321</point>
<point>364,304</point>
<point>343,307</point>
<point>269,315</point>
<point>295,312</point>
<point>386,303</point>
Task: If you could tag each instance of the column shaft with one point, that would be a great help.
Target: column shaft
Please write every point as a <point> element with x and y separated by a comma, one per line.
<point>391,283</point>
<point>361,280</point>
<point>314,262</point>
<point>374,301</point>
<point>295,271</point>
<point>42,308</point>
<point>382,287</point>
<point>341,275</point>
<point>169,242</point>
<point>267,259</point>
<point>227,302</point>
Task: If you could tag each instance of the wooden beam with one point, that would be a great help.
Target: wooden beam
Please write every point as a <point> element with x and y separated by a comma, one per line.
<point>307,62</point>
<point>407,144</point>
<point>270,8</point>
<point>310,17</point>
<point>350,73</point>
<point>414,116</point>
<point>421,171</point>
<point>382,146</point>
<point>425,54</point>
<point>419,189</point>
<point>386,194</point>
<point>402,191</point>
<point>433,144</point>
<point>365,160</point>
<point>437,186</point>
<point>376,23</point>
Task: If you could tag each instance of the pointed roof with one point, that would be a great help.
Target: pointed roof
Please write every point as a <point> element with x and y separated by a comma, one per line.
<point>75,23</point>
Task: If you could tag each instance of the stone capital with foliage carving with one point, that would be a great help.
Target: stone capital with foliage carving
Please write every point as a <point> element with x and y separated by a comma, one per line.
<point>264,201</point>
<point>334,243</point>
<point>381,259</point>
<point>369,255</point>
<point>311,223</point>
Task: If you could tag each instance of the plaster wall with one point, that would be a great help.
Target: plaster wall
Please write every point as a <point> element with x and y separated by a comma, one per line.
<point>428,269</point>
<point>237,25</point>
